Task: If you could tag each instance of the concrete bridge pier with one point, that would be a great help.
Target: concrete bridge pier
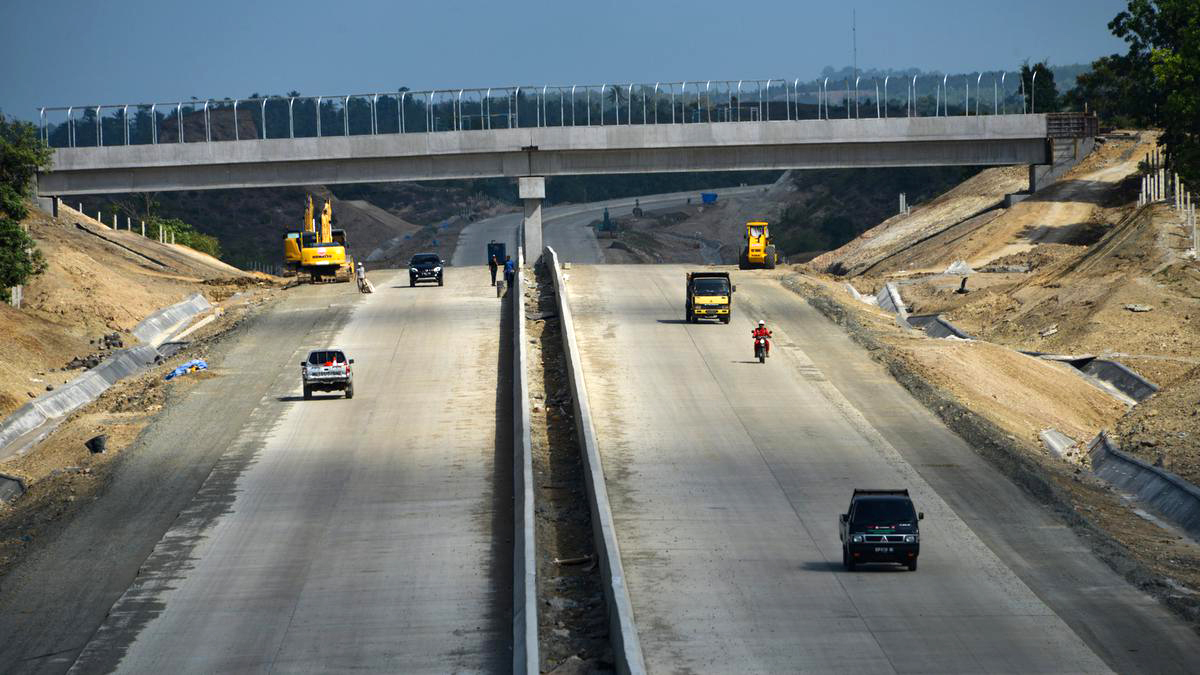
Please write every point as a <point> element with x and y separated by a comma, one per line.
<point>532,190</point>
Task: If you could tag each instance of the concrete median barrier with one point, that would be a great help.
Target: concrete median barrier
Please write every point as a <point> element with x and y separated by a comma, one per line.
<point>525,635</point>
<point>626,646</point>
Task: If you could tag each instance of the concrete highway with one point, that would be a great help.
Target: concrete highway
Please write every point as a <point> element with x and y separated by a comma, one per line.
<point>566,228</point>
<point>369,534</point>
<point>726,478</point>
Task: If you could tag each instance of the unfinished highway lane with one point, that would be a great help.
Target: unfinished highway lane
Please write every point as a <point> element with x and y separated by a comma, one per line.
<point>567,228</point>
<point>369,534</point>
<point>726,478</point>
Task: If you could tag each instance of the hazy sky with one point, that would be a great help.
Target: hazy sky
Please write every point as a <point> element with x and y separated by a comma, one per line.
<point>59,52</point>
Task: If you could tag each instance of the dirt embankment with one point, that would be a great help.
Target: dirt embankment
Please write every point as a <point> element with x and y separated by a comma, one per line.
<point>1076,269</point>
<point>98,282</point>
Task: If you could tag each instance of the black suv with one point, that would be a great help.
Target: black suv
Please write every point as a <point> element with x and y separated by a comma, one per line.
<point>425,267</point>
<point>880,527</point>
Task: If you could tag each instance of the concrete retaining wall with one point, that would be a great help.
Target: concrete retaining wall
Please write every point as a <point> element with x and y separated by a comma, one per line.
<point>157,327</point>
<point>1120,376</point>
<point>627,649</point>
<point>1173,497</point>
<point>935,325</point>
<point>888,298</point>
<point>72,395</point>
<point>18,431</point>
<point>525,635</point>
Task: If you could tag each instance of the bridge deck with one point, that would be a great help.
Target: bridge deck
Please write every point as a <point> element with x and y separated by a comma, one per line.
<point>548,151</point>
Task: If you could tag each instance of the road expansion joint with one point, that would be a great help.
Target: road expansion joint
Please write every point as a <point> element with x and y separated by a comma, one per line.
<point>572,614</point>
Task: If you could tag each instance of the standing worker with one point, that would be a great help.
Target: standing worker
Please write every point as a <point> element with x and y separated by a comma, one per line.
<point>510,269</point>
<point>361,273</point>
<point>493,265</point>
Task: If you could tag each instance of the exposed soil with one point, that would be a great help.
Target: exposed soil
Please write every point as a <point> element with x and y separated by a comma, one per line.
<point>1165,429</point>
<point>1059,273</point>
<point>890,241</point>
<point>572,616</point>
<point>98,282</point>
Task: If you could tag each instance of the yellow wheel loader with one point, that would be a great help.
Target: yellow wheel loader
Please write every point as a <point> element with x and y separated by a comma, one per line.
<point>759,251</point>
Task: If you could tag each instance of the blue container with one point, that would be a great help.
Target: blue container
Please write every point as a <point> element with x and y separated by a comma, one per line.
<point>708,197</point>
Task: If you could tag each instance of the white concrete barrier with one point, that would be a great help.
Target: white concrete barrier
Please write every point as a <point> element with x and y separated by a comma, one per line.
<point>627,649</point>
<point>525,635</point>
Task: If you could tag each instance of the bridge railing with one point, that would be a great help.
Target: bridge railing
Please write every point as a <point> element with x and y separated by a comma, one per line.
<point>461,109</point>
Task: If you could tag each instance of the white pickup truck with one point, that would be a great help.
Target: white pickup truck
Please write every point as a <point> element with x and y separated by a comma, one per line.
<point>327,369</point>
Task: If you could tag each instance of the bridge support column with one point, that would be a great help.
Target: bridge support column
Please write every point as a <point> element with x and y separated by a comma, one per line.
<point>532,190</point>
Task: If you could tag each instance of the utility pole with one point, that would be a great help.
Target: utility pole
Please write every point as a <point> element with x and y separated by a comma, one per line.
<point>854,38</point>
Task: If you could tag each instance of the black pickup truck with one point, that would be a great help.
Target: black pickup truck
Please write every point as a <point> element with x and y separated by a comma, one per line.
<point>881,526</point>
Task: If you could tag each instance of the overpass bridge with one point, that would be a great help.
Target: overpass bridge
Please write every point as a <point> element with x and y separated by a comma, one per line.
<point>529,133</point>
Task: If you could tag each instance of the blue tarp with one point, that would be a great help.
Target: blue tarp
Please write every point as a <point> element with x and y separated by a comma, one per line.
<point>189,367</point>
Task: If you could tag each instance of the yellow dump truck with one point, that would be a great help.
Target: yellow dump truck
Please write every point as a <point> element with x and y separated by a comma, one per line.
<point>709,296</point>
<point>759,251</point>
<point>323,253</point>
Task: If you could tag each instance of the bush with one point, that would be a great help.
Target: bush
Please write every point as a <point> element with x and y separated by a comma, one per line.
<point>185,234</point>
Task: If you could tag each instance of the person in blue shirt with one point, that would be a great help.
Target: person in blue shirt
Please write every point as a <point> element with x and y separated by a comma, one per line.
<point>510,268</point>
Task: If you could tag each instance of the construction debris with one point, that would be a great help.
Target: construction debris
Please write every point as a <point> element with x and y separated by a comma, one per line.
<point>189,367</point>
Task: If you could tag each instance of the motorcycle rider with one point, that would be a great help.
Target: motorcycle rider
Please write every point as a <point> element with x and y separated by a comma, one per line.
<point>763,332</point>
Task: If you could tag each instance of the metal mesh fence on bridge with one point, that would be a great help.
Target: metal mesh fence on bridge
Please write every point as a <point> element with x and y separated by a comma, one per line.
<point>705,101</point>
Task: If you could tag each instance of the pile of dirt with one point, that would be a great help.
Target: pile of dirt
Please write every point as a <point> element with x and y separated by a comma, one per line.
<point>98,282</point>
<point>1021,394</point>
<point>1165,429</point>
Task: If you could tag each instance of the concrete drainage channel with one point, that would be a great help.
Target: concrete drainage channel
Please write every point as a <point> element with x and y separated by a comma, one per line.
<point>1111,376</point>
<point>1173,497</point>
<point>35,420</point>
<point>580,618</point>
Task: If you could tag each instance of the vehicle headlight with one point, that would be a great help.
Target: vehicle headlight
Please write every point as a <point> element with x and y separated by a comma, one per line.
<point>856,538</point>
<point>910,538</point>
<point>438,268</point>
<point>412,269</point>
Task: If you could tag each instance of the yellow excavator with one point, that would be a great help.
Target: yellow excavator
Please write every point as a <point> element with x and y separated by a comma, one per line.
<point>322,252</point>
<point>759,251</point>
<point>292,241</point>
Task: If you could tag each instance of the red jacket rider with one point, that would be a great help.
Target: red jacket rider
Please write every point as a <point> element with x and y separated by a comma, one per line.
<point>762,331</point>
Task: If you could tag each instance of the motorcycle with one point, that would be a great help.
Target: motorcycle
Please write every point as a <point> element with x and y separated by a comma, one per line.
<point>760,349</point>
